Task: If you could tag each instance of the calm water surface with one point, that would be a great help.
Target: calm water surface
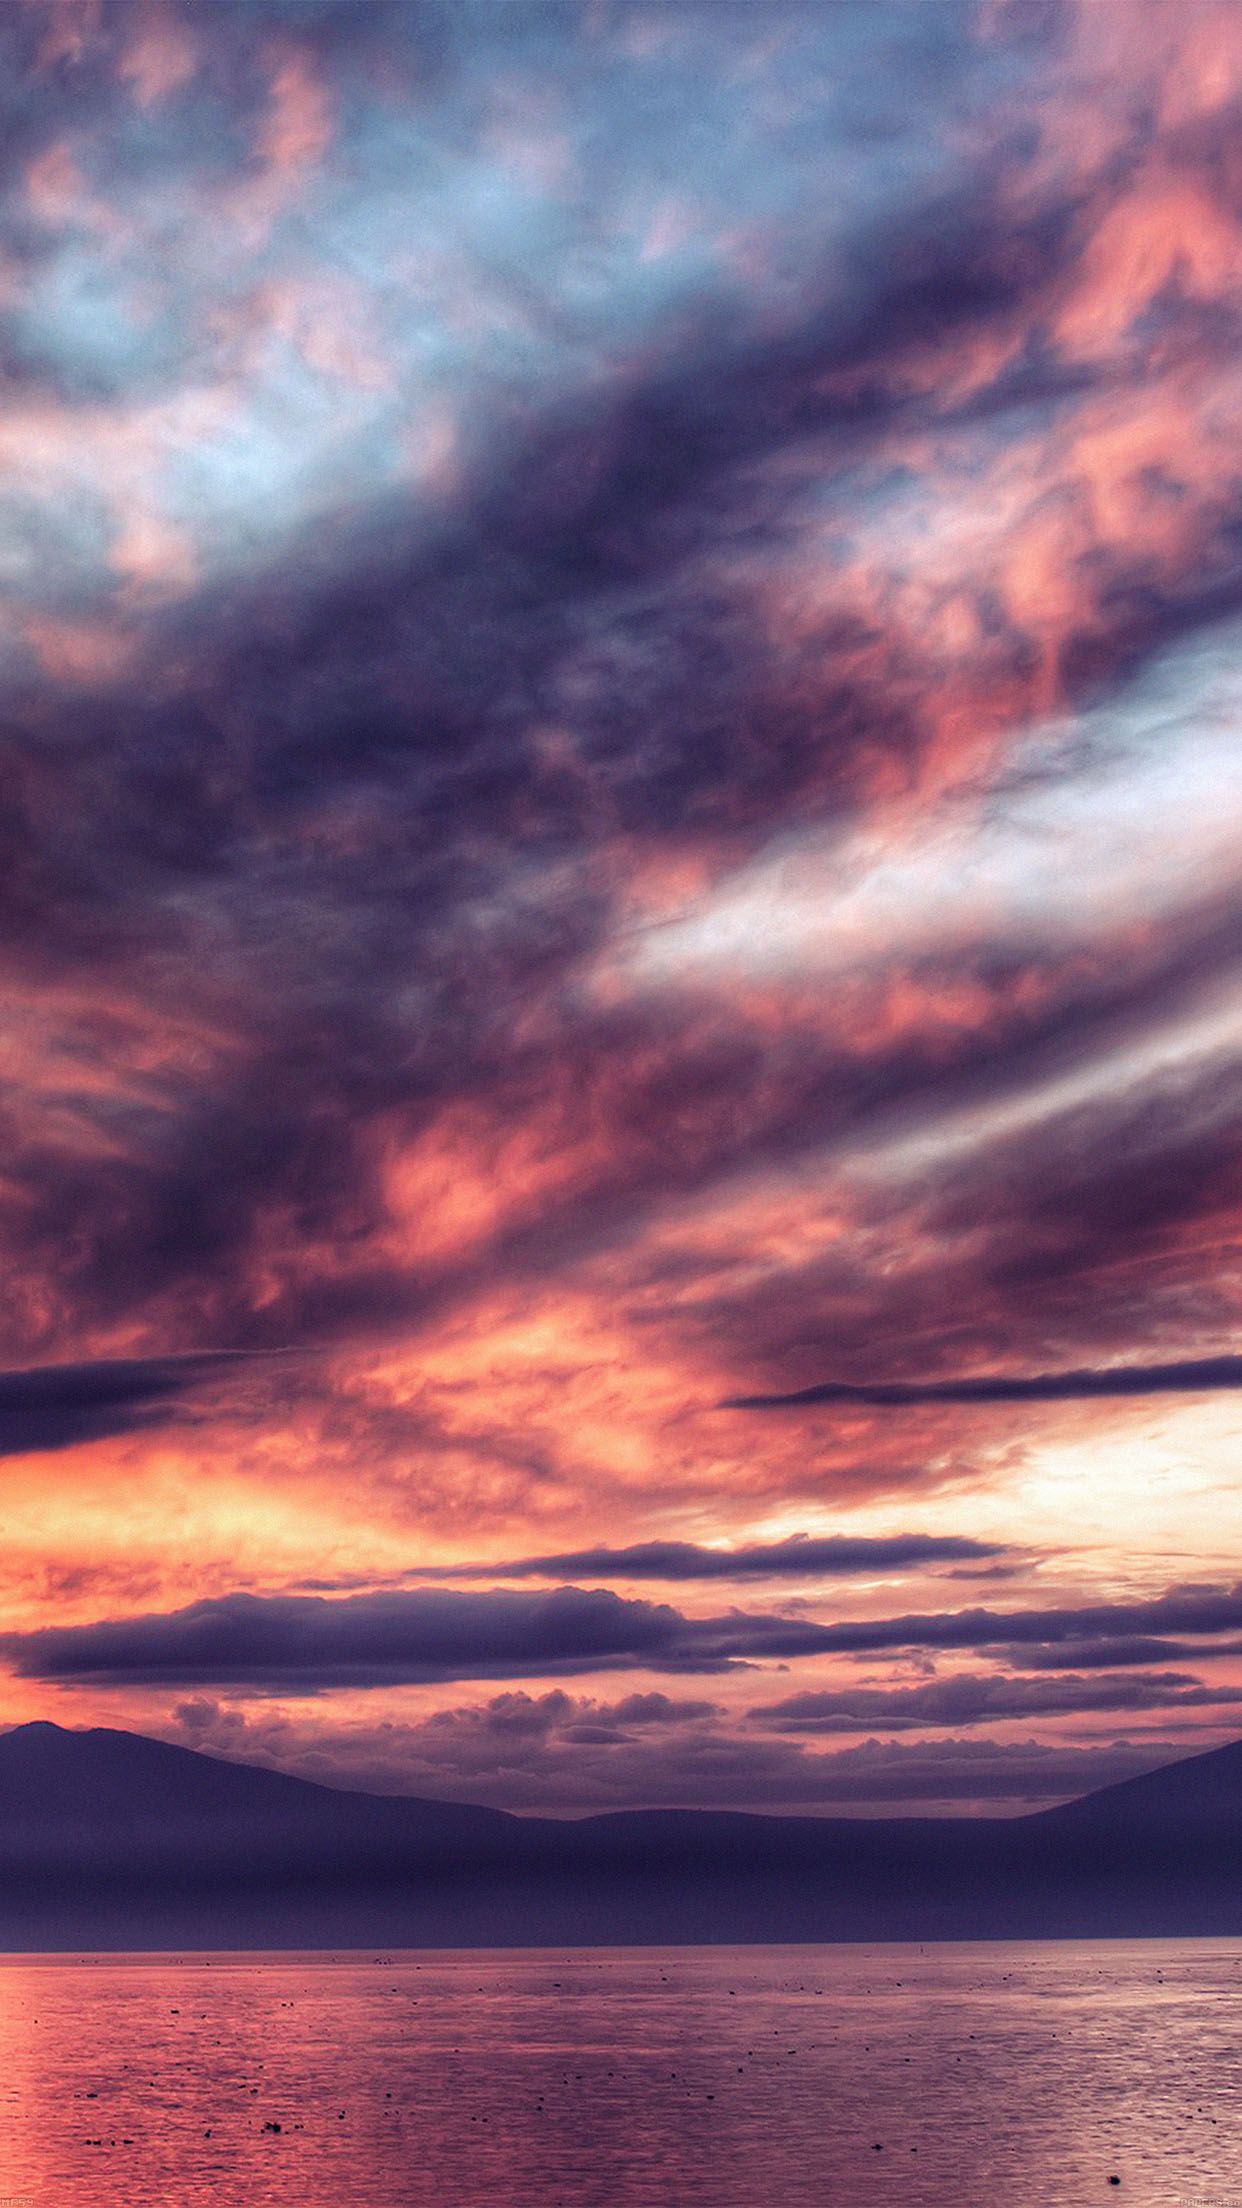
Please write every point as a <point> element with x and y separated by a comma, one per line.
<point>642,2079</point>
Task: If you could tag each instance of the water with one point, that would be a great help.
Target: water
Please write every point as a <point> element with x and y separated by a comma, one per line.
<point>726,2077</point>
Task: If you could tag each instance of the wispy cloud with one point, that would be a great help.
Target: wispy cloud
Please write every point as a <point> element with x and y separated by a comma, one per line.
<point>1191,1376</point>
<point>982,1699</point>
<point>800,1556</point>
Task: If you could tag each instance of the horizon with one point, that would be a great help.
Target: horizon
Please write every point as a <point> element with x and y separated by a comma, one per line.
<point>393,1793</point>
<point>620,907</point>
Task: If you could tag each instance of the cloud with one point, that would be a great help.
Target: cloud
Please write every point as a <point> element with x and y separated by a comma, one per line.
<point>1197,1375</point>
<point>799,1556</point>
<point>1111,1650</point>
<point>305,1643</point>
<point>560,1753</point>
<point>57,1406</point>
<point>982,1698</point>
<point>658,606</point>
<point>310,1644</point>
<point>1206,1611</point>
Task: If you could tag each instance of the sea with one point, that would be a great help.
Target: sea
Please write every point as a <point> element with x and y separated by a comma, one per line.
<point>947,2076</point>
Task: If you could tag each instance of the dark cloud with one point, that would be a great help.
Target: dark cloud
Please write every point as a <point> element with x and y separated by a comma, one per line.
<point>1207,1611</point>
<point>980,1699</point>
<point>1191,1376</point>
<point>310,1643</point>
<point>802,1555</point>
<point>306,1643</point>
<point>56,1406</point>
<point>1107,1652</point>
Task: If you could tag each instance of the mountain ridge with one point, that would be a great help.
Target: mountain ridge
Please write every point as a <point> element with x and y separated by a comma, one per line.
<point>116,1839</point>
<point>40,1732</point>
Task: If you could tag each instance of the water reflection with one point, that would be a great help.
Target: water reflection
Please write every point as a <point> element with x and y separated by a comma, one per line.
<point>725,2076</point>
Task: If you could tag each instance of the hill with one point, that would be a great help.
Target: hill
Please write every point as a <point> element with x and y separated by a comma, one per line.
<point>109,1839</point>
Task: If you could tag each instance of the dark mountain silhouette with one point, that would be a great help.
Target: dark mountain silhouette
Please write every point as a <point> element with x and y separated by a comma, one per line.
<point>1198,1791</point>
<point>109,1839</point>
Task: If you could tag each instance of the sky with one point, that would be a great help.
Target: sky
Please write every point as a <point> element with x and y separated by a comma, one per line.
<point>621,918</point>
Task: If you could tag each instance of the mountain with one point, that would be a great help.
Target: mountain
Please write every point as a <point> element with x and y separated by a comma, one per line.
<point>1198,1792</point>
<point>109,1839</point>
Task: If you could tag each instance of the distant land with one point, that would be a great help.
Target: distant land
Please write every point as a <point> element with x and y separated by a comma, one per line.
<point>112,1840</point>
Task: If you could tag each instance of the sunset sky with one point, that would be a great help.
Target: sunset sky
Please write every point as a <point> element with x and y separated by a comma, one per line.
<point>621,626</point>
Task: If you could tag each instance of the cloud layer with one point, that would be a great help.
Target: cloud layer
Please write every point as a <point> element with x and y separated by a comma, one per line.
<point>56,1406</point>
<point>558,1751</point>
<point>1193,1376</point>
<point>800,1557</point>
<point>306,1643</point>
